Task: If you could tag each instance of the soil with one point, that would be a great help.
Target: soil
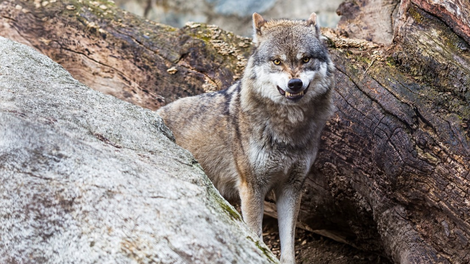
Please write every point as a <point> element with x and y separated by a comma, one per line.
<point>313,248</point>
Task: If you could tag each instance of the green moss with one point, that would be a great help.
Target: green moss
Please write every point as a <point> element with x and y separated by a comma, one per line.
<point>228,208</point>
<point>353,69</point>
<point>330,43</point>
<point>415,15</point>
<point>215,196</point>
<point>265,250</point>
<point>347,53</point>
<point>391,62</point>
<point>454,42</point>
<point>364,59</point>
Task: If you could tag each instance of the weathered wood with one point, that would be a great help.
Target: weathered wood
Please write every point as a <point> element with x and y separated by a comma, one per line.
<point>362,20</point>
<point>455,13</point>
<point>393,173</point>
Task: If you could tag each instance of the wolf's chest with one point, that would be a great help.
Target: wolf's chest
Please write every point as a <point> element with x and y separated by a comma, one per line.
<point>278,161</point>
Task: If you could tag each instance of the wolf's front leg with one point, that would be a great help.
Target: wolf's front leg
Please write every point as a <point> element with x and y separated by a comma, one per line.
<point>252,206</point>
<point>287,202</point>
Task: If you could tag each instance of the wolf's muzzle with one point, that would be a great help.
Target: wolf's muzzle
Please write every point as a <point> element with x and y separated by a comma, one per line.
<point>295,87</point>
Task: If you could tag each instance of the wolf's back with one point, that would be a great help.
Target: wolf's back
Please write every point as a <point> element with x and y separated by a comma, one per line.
<point>204,125</point>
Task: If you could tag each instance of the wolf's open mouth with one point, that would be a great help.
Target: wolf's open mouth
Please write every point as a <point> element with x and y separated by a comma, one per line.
<point>292,96</point>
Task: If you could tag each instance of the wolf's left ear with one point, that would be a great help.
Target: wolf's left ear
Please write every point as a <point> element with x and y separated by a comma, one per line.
<point>258,22</point>
<point>312,22</point>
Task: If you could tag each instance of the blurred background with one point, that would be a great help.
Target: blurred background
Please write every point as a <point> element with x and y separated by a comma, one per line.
<point>231,15</point>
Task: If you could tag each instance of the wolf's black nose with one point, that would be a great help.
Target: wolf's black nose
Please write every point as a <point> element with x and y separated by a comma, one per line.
<point>295,84</point>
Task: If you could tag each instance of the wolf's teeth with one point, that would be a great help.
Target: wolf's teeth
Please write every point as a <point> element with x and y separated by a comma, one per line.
<point>298,94</point>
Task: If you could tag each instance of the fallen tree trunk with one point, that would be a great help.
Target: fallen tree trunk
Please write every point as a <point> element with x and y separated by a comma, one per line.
<point>393,174</point>
<point>115,52</point>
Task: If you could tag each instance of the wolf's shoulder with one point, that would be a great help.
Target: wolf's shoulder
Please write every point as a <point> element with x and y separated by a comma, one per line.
<point>218,101</point>
<point>226,98</point>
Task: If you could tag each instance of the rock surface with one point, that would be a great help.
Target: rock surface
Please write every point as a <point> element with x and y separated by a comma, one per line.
<point>87,178</point>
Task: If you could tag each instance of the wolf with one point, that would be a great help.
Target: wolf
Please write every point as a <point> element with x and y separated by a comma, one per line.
<point>262,133</point>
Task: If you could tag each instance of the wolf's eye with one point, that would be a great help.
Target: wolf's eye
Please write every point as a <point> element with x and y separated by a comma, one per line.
<point>277,61</point>
<point>305,59</point>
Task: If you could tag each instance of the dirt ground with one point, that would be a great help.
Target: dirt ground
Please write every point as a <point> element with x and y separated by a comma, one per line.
<point>312,248</point>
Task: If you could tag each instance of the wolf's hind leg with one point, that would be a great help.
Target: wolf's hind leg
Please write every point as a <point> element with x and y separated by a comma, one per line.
<point>288,203</point>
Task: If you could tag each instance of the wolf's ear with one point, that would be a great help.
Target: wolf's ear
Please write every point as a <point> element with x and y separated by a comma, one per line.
<point>258,22</point>
<point>312,22</point>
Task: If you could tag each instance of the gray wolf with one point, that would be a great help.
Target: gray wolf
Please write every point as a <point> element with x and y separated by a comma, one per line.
<point>263,132</point>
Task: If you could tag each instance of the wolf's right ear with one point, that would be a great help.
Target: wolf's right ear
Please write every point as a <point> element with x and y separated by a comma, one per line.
<point>312,22</point>
<point>258,22</point>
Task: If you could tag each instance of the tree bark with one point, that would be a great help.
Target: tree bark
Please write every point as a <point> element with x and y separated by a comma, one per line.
<point>392,176</point>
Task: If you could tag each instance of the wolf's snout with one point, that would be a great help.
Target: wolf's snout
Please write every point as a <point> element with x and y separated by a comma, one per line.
<point>295,85</point>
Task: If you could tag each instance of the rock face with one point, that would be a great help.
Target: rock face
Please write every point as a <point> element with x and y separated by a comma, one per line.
<point>87,178</point>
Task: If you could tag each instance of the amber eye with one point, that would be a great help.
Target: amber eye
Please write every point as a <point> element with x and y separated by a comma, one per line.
<point>277,61</point>
<point>305,59</point>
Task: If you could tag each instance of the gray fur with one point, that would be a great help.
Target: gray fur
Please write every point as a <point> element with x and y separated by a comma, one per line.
<point>251,138</point>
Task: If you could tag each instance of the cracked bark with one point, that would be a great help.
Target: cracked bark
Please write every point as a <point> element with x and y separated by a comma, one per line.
<point>392,176</point>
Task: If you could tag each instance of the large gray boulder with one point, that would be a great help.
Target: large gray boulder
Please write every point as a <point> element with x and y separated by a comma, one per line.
<point>87,178</point>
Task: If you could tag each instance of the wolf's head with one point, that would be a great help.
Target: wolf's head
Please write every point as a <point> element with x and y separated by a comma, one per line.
<point>290,64</point>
